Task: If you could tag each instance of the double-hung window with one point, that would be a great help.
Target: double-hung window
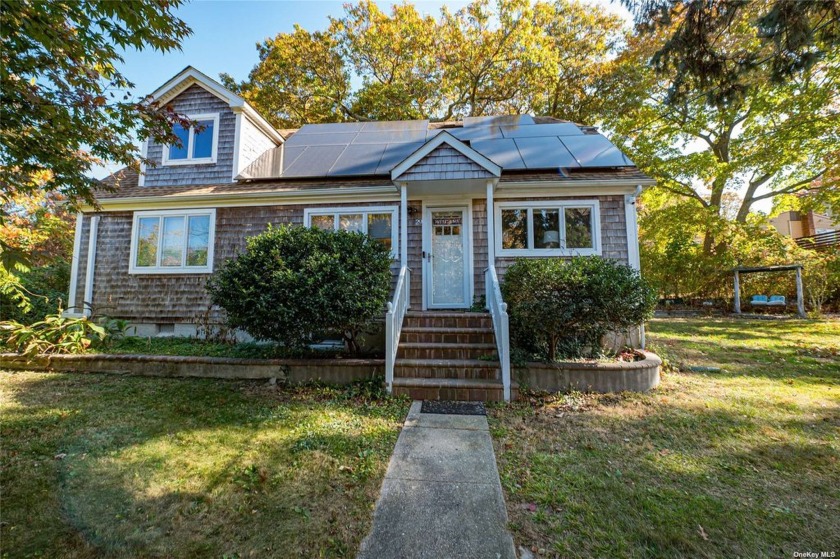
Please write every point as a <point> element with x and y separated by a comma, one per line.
<point>198,142</point>
<point>378,222</point>
<point>173,242</point>
<point>548,228</point>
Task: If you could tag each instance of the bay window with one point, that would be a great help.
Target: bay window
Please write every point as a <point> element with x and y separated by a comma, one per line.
<point>548,228</point>
<point>172,242</point>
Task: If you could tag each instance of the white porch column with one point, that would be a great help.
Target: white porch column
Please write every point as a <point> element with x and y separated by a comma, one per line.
<point>737,292</point>
<point>74,266</point>
<point>491,229</point>
<point>632,225</point>
<point>91,265</point>
<point>403,225</point>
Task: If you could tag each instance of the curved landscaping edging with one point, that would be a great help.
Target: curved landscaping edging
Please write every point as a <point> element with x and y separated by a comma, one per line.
<point>295,371</point>
<point>618,376</point>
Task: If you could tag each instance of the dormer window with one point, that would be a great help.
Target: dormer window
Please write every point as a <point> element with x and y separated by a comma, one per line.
<point>198,142</point>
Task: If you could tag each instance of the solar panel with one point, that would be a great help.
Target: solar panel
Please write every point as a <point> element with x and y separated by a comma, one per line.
<point>329,128</point>
<point>535,130</point>
<point>315,161</point>
<point>394,154</point>
<point>395,125</point>
<point>594,150</point>
<point>477,133</point>
<point>334,139</point>
<point>390,136</point>
<point>502,120</point>
<point>544,153</point>
<point>501,152</point>
<point>361,159</point>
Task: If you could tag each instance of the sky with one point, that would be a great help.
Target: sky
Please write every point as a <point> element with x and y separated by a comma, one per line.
<point>225,34</point>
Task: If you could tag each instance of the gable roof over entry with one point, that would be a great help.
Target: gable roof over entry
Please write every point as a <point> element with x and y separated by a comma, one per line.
<point>445,157</point>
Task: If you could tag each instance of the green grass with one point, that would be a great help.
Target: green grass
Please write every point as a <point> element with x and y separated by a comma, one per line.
<point>741,459</point>
<point>104,466</point>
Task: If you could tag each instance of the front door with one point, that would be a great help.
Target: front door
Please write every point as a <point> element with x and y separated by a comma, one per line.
<point>447,258</point>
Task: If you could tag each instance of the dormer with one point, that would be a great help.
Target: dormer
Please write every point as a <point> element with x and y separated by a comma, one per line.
<point>229,136</point>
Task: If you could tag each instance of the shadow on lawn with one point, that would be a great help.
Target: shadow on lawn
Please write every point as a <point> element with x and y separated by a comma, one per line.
<point>187,468</point>
<point>643,485</point>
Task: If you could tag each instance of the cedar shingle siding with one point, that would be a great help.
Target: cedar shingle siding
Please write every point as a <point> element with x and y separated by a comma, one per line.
<point>445,163</point>
<point>196,100</point>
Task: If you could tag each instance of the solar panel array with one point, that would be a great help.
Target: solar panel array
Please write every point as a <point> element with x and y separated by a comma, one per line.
<point>375,148</point>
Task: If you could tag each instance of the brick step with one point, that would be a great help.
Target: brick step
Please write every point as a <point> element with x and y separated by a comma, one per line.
<point>447,369</point>
<point>445,351</point>
<point>453,389</point>
<point>413,335</point>
<point>433,319</point>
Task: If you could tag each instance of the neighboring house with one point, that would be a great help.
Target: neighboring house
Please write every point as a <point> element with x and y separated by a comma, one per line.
<point>457,202</point>
<point>809,229</point>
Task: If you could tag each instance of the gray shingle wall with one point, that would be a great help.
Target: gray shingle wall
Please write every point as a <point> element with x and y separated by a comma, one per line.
<point>613,231</point>
<point>479,210</point>
<point>252,143</point>
<point>196,100</point>
<point>445,163</point>
<point>168,298</point>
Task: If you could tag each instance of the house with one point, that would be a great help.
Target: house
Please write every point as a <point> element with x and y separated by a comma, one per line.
<point>457,202</point>
<point>809,229</point>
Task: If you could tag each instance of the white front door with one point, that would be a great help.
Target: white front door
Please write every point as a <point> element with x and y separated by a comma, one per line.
<point>446,267</point>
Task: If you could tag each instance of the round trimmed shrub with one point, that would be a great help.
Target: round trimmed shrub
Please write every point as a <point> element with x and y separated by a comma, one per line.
<point>563,308</point>
<point>295,285</point>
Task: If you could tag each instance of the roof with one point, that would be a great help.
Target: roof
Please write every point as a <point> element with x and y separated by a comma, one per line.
<point>513,143</point>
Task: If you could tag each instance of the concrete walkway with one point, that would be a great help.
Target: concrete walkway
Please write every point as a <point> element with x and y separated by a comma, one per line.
<point>441,497</point>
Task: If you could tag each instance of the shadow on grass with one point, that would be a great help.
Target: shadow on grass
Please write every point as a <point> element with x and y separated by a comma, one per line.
<point>189,468</point>
<point>672,481</point>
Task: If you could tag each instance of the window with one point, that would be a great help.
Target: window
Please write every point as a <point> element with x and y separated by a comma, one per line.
<point>198,142</point>
<point>548,228</point>
<point>172,242</point>
<point>379,223</point>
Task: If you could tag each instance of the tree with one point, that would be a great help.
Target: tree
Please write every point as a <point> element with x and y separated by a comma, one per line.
<point>773,139</point>
<point>510,57</point>
<point>64,105</point>
<point>789,38</point>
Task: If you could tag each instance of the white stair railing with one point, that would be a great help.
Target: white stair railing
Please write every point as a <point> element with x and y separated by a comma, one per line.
<point>393,323</point>
<point>498,310</point>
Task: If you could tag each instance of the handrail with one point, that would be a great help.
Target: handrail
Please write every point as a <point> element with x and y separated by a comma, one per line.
<point>393,323</point>
<point>826,239</point>
<point>498,311</point>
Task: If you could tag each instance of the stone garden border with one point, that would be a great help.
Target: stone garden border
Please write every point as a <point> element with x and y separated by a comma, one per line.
<point>636,376</point>
<point>618,376</point>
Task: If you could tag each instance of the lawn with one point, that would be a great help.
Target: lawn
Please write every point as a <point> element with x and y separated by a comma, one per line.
<point>118,467</point>
<point>736,454</point>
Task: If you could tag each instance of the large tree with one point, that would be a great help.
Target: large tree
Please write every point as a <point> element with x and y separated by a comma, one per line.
<point>514,56</point>
<point>64,105</point>
<point>774,138</point>
<point>787,38</point>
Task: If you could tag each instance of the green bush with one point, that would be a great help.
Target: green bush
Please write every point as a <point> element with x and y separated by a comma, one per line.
<point>563,308</point>
<point>45,290</point>
<point>295,285</point>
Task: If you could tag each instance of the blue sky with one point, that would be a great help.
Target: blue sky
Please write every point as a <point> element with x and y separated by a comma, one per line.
<point>225,34</point>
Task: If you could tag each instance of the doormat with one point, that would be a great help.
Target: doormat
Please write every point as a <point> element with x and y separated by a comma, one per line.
<point>453,408</point>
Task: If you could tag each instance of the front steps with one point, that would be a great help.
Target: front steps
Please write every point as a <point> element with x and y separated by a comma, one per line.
<point>448,356</point>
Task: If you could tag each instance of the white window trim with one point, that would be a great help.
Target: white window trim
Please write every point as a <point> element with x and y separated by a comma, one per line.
<point>594,205</point>
<point>183,269</point>
<point>200,160</point>
<point>365,210</point>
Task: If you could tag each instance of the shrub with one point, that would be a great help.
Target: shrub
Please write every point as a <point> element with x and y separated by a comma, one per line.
<point>54,334</point>
<point>40,292</point>
<point>565,307</point>
<point>294,285</point>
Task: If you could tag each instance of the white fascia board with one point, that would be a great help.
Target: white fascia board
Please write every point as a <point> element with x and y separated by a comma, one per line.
<point>454,143</point>
<point>385,193</point>
<point>189,76</point>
